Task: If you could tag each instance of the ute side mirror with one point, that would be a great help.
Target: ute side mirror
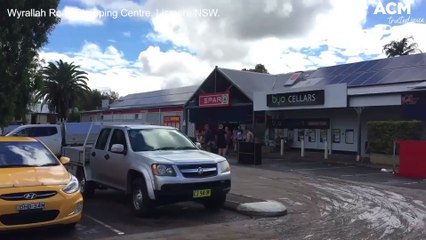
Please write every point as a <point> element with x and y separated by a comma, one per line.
<point>64,160</point>
<point>198,145</point>
<point>117,148</point>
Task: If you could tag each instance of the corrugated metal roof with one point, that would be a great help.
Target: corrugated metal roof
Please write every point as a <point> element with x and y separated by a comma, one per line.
<point>161,98</point>
<point>249,82</point>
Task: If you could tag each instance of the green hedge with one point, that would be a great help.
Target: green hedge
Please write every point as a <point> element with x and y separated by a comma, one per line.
<point>381,134</point>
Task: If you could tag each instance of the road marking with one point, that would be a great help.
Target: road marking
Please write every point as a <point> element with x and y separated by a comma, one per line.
<point>361,174</point>
<point>409,183</point>
<point>106,225</point>
<point>322,168</point>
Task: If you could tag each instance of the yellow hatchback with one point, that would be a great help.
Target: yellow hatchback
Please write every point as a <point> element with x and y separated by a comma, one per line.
<point>35,188</point>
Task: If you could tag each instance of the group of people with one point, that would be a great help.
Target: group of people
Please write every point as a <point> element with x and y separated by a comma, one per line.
<point>223,140</point>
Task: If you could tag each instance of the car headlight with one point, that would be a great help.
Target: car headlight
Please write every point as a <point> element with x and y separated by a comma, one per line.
<point>163,170</point>
<point>72,186</point>
<point>224,166</point>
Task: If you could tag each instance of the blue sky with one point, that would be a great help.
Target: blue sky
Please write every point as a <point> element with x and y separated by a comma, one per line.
<point>140,53</point>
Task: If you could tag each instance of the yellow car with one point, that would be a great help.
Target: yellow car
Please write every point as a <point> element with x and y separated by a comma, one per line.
<point>35,188</point>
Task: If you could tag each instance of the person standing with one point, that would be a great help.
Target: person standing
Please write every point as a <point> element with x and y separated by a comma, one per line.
<point>209,141</point>
<point>221,140</point>
<point>249,135</point>
<point>228,139</point>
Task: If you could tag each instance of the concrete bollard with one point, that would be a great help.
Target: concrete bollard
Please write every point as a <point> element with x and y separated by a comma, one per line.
<point>325,150</point>
<point>282,147</point>
<point>302,147</point>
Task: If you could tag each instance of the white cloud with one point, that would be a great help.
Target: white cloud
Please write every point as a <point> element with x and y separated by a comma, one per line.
<point>76,16</point>
<point>153,70</point>
<point>127,34</point>
<point>175,68</point>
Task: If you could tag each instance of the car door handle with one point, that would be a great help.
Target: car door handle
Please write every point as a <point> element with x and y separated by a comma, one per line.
<point>93,154</point>
<point>106,156</point>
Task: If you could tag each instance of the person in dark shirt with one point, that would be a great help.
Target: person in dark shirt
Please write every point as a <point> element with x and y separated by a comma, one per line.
<point>228,139</point>
<point>209,141</point>
<point>220,140</point>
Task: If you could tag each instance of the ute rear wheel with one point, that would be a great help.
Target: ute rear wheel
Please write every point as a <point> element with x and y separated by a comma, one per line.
<point>141,203</point>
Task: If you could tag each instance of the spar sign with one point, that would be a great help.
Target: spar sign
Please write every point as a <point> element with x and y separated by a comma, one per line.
<point>213,99</point>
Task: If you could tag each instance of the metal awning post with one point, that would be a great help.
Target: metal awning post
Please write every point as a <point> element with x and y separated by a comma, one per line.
<point>359,113</point>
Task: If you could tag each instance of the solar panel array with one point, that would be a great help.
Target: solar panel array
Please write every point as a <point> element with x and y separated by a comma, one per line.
<point>166,97</point>
<point>382,71</point>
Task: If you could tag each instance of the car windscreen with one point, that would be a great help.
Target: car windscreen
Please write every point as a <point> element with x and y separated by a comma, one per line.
<point>155,139</point>
<point>25,154</point>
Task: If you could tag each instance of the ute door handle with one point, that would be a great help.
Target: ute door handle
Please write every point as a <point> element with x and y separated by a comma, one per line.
<point>106,156</point>
<point>93,154</point>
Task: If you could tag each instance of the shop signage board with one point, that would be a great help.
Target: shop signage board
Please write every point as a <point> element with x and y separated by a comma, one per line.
<point>299,123</point>
<point>295,99</point>
<point>214,100</point>
<point>413,98</point>
<point>172,121</point>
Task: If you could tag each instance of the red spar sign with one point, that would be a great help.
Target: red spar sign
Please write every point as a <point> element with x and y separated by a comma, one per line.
<point>214,99</point>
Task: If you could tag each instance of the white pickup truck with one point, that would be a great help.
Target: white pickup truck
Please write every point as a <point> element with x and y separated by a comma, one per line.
<point>153,164</point>
<point>55,136</point>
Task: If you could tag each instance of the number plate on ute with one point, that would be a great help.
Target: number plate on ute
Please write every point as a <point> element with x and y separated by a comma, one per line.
<point>30,206</point>
<point>201,193</point>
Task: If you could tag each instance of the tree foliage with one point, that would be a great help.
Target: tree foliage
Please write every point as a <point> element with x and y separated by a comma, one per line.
<point>400,48</point>
<point>382,134</point>
<point>260,68</point>
<point>63,84</point>
<point>92,100</point>
<point>19,41</point>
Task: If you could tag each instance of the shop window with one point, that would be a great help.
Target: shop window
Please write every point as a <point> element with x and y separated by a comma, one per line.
<point>349,136</point>
<point>323,135</point>
<point>300,134</point>
<point>335,135</point>
<point>312,136</point>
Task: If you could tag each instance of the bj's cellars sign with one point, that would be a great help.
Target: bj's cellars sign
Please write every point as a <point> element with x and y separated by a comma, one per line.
<point>295,99</point>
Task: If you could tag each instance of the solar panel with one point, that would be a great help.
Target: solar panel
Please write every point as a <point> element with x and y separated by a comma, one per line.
<point>356,67</point>
<point>341,69</point>
<point>378,65</point>
<point>358,79</point>
<point>376,78</point>
<point>344,78</point>
<point>419,73</point>
<point>367,66</point>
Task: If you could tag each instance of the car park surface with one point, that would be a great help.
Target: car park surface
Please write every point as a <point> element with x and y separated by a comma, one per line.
<point>323,202</point>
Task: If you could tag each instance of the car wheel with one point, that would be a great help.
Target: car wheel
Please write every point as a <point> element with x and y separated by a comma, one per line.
<point>141,203</point>
<point>215,203</point>
<point>87,188</point>
<point>69,227</point>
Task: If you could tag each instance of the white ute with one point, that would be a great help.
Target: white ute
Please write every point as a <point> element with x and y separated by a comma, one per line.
<point>153,164</point>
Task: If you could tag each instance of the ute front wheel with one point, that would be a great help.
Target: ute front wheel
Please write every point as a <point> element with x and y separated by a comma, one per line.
<point>141,203</point>
<point>215,203</point>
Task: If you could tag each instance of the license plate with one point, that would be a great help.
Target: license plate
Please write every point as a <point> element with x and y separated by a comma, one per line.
<point>201,193</point>
<point>30,206</point>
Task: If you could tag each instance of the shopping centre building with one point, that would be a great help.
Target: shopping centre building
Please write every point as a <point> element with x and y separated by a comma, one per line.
<point>329,105</point>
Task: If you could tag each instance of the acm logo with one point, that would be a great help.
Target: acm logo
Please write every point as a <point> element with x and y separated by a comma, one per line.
<point>393,8</point>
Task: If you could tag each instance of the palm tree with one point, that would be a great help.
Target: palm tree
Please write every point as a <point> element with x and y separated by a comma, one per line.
<point>400,48</point>
<point>63,84</point>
